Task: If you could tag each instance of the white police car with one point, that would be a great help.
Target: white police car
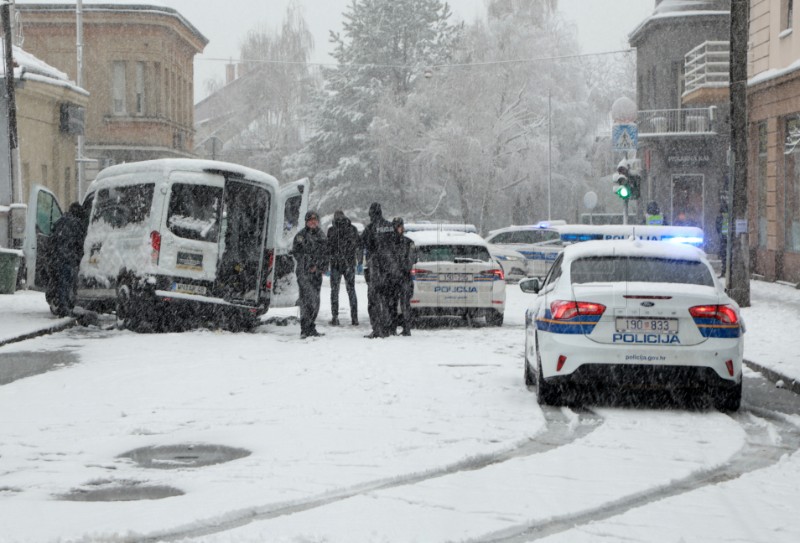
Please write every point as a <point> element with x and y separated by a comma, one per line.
<point>456,275</point>
<point>538,243</point>
<point>632,314</point>
<point>514,264</point>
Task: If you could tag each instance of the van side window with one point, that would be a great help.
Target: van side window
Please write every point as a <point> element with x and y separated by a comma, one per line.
<point>194,211</point>
<point>121,206</point>
<point>47,212</point>
<point>291,213</point>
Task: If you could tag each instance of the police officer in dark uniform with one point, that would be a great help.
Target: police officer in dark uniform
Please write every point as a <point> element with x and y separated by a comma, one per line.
<point>310,250</point>
<point>63,258</point>
<point>378,240</point>
<point>344,245</point>
<point>406,257</point>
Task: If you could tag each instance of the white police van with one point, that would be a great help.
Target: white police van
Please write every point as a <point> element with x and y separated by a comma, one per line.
<point>556,235</point>
<point>183,240</point>
<point>456,275</point>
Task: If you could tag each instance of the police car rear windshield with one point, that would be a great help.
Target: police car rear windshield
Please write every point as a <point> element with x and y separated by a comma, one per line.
<point>451,253</point>
<point>611,269</point>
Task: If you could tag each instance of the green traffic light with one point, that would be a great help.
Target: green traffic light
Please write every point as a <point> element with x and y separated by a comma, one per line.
<point>624,192</point>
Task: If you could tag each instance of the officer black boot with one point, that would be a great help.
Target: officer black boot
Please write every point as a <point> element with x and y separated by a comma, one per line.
<point>335,321</point>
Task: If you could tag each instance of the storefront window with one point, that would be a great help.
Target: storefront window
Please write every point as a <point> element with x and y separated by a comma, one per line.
<point>791,186</point>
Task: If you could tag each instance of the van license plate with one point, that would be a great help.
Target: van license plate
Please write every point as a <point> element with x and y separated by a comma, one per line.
<point>636,324</point>
<point>186,288</point>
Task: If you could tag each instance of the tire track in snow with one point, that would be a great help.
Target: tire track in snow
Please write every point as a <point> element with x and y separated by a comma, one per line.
<point>758,453</point>
<point>563,427</point>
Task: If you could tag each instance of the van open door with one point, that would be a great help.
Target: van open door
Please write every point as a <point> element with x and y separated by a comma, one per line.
<point>291,210</point>
<point>43,212</point>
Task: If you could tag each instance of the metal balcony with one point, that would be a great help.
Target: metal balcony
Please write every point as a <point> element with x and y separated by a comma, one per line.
<point>677,122</point>
<point>707,73</point>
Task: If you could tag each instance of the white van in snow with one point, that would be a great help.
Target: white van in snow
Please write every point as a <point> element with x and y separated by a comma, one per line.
<point>182,241</point>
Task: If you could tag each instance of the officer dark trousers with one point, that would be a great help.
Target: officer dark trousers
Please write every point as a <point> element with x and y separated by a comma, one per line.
<point>350,285</point>
<point>309,285</point>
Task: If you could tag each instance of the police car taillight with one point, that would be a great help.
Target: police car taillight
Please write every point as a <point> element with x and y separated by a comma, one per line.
<point>562,310</point>
<point>723,313</point>
<point>419,273</point>
<point>498,274</point>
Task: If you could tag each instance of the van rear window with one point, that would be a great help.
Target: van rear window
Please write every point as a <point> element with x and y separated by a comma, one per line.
<point>194,211</point>
<point>449,253</point>
<point>121,206</point>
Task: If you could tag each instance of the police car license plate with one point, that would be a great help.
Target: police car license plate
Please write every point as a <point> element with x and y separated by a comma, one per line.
<point>186,288</point>
<point>636,324</point>
<point>455,277</point>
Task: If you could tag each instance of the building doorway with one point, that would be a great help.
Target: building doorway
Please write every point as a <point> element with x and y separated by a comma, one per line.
<point>687,200</point>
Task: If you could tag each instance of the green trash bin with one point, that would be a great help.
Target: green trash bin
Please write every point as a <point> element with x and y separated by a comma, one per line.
<point>9,265</point>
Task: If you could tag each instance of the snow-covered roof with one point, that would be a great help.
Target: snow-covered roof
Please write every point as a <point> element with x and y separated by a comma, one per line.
<point>664,16</point>
<point>113,5</point>
<point>638,248</point>
<point>446,237</point>
<point>31,68</point>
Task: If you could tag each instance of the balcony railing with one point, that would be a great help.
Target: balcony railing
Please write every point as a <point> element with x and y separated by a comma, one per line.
<point>707,66</point>
<point>676,122</point>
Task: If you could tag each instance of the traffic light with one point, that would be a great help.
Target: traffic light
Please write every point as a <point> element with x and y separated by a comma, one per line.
<point>634,184</point>
<point>621,182</point>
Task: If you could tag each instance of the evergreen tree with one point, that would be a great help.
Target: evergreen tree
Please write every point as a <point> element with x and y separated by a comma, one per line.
<point>384,48</point>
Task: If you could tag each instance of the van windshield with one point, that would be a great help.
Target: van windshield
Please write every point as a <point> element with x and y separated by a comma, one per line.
<point>194,211</point>
<point>120,206</point>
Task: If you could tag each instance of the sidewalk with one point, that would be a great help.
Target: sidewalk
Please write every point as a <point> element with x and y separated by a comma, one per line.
<point>772,338</point>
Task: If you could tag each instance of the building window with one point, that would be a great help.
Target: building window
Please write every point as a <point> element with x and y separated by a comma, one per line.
<point>787,12</point>
<point>118,87</point>
<point>140,88</point>
<point>156,100</point>
<point>791,185</point>
<point>761,185</point>
<point>67,184</point>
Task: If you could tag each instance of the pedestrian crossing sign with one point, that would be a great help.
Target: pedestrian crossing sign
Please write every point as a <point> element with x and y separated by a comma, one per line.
<point>625,137</point>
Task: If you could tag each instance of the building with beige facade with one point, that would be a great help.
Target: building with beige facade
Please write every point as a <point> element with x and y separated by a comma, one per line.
<point>774,139</point>
<point>46,101</point>
<point>139,71</point>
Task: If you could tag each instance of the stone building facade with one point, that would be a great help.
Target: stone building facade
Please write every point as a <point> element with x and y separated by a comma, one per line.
<point>139,71</point>
<point>774,140</point>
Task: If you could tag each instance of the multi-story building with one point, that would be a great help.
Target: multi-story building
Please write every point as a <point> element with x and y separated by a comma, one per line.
<point>682,65</point>
<point>138,68</point>
<point>774,140</point>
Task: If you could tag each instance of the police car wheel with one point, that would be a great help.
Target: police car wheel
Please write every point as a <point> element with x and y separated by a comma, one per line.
<point>546,393</point>
<point>530,380</point>
<point>495,318</point>
<point>728,398</point>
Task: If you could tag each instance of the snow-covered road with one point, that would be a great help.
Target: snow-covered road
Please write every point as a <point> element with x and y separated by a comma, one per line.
<point>429,438</point>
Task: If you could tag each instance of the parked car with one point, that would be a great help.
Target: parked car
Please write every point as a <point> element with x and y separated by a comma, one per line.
<point>632,314</point>
<point>514,264</point>
<point>455,274</point>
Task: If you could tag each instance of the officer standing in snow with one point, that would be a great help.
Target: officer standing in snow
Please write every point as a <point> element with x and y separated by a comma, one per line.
<point>344,245</point>
<point>63,258</point>
<point>403,285</point>
<point>310,250</point>
<point>378,239</point>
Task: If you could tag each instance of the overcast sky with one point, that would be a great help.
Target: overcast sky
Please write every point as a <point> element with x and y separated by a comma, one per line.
<point>603,25</point>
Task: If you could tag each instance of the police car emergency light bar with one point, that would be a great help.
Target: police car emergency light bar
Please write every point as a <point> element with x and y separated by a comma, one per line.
<point>687,235</point>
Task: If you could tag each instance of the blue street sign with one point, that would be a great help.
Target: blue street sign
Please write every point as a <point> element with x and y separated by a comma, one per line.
<point>625,137</point>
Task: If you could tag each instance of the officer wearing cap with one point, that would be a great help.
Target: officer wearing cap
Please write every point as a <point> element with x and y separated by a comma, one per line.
<point>310,250</point>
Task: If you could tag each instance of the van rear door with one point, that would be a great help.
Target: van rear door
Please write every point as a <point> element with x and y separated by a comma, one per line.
<point>43,212</point>
<point>291,210</point>
<point>245,223</point>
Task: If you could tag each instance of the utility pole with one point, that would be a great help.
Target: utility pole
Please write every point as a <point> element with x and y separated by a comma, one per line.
<point>79,81</point>
<point>7,195</point>
<point>739,286</point>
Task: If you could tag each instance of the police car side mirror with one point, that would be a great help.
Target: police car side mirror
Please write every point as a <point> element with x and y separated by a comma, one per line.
<point>530,285</point>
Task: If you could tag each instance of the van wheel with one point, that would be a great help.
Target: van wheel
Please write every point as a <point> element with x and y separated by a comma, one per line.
<point>128,311</point>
